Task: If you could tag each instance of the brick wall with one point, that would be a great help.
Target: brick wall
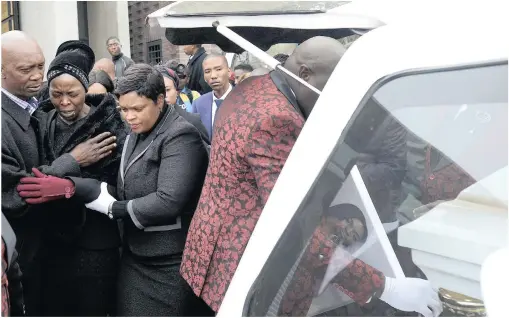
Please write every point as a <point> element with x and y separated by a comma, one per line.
<point>141,35</point>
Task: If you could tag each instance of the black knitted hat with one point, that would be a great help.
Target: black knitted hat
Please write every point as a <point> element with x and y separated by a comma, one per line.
<point>74,58</point>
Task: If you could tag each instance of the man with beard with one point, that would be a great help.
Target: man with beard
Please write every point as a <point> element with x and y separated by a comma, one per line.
<point>254,132</point>
<point>22,150</point>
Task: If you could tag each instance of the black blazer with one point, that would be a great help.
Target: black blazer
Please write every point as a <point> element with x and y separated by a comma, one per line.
<point>196,121</point>
<point>21,151</point>
<point>163,184</point>
<point>196,80</point>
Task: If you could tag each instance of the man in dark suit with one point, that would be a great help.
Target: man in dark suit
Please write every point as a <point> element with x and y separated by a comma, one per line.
<point>196,56</point>
<point>255,130</point>
<point>22,131</point>
<point>217,75</point>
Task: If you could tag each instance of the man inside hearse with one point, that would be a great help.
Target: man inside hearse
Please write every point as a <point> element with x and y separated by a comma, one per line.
<point>274,127</point>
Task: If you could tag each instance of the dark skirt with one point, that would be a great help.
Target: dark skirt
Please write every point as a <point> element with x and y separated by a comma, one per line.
<point>156,289</point>
<point>79,282</point>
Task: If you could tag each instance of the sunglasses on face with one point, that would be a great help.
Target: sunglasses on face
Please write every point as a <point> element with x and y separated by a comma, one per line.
<point>182,76</point>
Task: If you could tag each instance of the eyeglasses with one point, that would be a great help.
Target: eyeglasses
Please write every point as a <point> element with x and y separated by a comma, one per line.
<point>182,76</point>
<point>113,44</point>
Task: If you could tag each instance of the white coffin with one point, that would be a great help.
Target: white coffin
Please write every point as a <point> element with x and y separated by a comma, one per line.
<point>451,241</point>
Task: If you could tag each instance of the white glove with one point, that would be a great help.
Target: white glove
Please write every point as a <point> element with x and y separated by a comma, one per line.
<point>103,201</point>
<point>412,294</point>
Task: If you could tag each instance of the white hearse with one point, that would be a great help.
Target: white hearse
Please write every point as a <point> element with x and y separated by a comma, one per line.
<point>439,68</point>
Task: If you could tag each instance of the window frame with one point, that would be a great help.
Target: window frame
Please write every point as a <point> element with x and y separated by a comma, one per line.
<point>154,43</point>
<point>12,17</point>
<point>367,96</point>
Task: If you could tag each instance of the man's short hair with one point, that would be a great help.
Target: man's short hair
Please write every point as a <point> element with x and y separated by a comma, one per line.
<point>142,79</point>
<point>171,64</point>
<point>181,69</point>
<point>244,67</point>
<point>112,38</point>
<point>213,55</point>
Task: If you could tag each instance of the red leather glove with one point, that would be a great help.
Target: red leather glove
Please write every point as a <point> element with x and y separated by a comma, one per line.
<point>43,188</point>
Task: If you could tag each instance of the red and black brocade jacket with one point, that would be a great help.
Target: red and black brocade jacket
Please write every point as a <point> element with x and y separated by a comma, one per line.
<point>254,132</point>
<point>442,179</point>
<point>358,280</point>
<point>5,284</point>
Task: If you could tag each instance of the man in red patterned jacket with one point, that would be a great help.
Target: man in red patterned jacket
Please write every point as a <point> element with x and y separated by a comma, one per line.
<point>254,132</point>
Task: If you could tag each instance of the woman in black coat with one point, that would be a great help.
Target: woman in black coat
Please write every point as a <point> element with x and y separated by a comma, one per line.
<point>82,257</point>
<point>162,170</point>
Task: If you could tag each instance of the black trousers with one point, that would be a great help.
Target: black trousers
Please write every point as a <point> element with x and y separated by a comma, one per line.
<point>156,289</point>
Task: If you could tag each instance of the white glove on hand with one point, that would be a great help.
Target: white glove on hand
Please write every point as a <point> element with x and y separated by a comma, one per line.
<point>103,201</point>
<point>412,294</point>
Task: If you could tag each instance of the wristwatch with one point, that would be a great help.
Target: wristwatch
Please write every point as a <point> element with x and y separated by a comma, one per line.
<point>110,211</point>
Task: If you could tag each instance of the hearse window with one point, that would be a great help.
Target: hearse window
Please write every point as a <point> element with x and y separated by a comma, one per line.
<point>418,140</point>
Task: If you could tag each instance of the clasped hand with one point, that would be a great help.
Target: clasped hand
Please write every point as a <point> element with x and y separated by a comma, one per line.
<point>43,188</point>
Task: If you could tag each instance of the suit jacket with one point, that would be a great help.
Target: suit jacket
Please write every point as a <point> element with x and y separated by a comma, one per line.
<point>384,168</point>
<point>255,128</point>
<point>162,184</point>
<point>22,140</point>
<point>196,79</point>
<point>194,119</point>
<point>203,106</point>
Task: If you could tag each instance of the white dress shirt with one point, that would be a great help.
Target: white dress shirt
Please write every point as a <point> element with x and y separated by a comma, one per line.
<point>29,105</point>
<point>214,106</point>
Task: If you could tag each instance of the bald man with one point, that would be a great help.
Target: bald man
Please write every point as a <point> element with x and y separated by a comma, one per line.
<point>217,75</point>
<point>313,61</point>
<point>22,133</point>
<point>107,66</point>
<point>254,132</point>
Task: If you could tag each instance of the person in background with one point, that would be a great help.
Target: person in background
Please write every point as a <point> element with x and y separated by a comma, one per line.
<point>82,255</point>
<point>231,78</point>
<point>171,81</point>
<point>100,83</point>
<point>262,118</point>
<point>244,76</point>
<point>260,71</point>
<point>196,81</point>
<point>156,192</point>
<point>173,64</point>
<point>121,61</point>
<point>107,66</point>
<point>215,68</point>
<point>185,95</point>
<point>12,289</point>
<point>246,58</point>
<point>240,70</point>
<point>281,58</point>
<point>22,149</point>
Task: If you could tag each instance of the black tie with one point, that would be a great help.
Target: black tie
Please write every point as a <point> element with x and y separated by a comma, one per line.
<point>219,102</point>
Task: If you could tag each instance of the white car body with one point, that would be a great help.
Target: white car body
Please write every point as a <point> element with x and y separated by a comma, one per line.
<point>407,35</point>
